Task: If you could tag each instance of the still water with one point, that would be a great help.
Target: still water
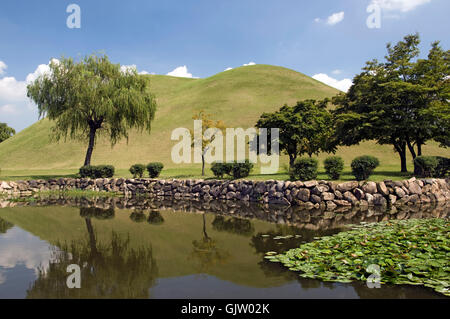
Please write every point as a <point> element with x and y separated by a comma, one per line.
<point>173,249</point>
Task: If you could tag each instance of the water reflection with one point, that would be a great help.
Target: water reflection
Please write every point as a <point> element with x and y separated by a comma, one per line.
<point>312,219</point>
<point>176,249</point>
<point>206,251</point>
<point>109,269</point>
<point>4,226</point>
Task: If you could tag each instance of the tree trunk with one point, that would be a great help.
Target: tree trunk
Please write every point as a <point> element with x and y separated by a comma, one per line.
<point>411,150</point>
<point>401,150</point>
<point>90,149</point>
<point>203,165</point>
<point>419,149</point>
<point>292,158</point>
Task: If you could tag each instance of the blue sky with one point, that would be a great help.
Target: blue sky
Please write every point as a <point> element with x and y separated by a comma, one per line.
<point>326,39</point>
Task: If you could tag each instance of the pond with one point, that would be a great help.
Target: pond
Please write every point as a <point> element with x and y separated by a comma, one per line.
<point>142,248</point>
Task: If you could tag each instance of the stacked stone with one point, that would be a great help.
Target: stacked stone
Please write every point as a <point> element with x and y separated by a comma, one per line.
<point>310,194</point>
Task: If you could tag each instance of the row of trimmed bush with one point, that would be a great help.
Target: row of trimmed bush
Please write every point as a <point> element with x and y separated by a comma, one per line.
<point>306,168</point>
<point>153,169</point>
<point>107,171</point>
<point>98,171</point>
<point>234,169</point>
<point>432,166</point>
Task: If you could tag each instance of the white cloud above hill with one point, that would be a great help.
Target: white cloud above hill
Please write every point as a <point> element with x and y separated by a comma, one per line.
<point>342,85</point>
<point>181,71</point>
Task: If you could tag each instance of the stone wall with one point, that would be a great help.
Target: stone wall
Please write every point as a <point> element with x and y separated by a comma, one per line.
<point>311,194</point>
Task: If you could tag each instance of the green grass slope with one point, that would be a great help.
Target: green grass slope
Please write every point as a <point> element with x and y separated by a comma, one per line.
<point>238,97</point>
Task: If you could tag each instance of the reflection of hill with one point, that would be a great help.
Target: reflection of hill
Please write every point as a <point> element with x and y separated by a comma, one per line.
<point>172,241</point>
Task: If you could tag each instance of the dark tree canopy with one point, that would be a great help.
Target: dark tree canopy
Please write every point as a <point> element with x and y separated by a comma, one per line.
<point>6,132</point>
<point>306,128</point>
<point>402,101</point>
<point>93,96</point>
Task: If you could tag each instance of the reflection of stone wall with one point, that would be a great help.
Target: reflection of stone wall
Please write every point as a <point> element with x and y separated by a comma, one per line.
<point>312,194</point>
<point>311,219</point>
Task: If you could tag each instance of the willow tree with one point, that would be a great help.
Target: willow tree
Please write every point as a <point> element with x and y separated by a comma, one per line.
<point>92,97</point>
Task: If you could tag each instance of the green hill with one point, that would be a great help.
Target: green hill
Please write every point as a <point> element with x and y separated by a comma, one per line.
<point>238,97</point>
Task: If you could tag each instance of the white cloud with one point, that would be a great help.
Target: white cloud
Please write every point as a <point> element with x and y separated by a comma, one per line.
<point>40,70</point>
<point>400,5</point>
<point>228,69</point>
<point>12,90</point>
<point>335,18</point>
<point>3,67</point>
<point>128,68</point>
<point>181,71</point>
<point>342,85</point>
<point>9,109</point>
<point>16,108</point>
<point>317,20</point>
<point>132,67</point>
<point>20,248</point>
<point>250,63</point>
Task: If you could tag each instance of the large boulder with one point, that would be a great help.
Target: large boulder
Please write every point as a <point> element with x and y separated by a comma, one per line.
<point>347,186</point>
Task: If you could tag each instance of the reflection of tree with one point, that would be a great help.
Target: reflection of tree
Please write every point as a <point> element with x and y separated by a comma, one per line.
<point>206,251</point>
<point>137,216</point>
<point>98,213</point>
<point>109,269</point>
<point>5,226</point>
<point>155,218</point>
<point>233,225</point>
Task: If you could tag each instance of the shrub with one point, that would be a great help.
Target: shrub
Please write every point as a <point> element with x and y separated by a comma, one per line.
<point>334,165</point>
<point>154,169</point>
<point>241,170</point>
<point>87,171</point>
<point>431,166</point>
<point>363,166</point>
<point>137,170</point>
<point>99,171</point>
<point>304,168</point>
<point>221,169</point>
<point>425,166</point>
<point>105,171</point>
<point>443,167</point>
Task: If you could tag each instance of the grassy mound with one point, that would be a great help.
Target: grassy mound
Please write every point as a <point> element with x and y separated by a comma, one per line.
<point>238,97</point>
<point>412,252</point>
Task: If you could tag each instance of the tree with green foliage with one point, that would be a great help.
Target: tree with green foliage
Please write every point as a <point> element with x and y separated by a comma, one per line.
<point>401,102</point>
<point>92,97</point>
<point>6,132</point>
<point>306,128</point>
<point>205,141</point>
